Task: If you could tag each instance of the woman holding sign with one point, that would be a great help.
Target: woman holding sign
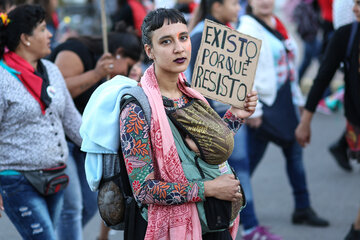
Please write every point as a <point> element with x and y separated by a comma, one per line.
<point>280,96</point>
<point>185,138</point>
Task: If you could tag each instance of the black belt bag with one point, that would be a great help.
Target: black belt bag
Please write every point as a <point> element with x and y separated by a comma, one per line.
<point>48,181</point>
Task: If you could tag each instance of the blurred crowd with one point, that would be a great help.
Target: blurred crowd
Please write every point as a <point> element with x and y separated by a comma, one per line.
<point>326,32</point>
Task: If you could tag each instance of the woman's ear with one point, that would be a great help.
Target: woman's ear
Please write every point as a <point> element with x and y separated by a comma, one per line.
<point>24,39</point>
<point>119,53</point>
<point>148,51</point>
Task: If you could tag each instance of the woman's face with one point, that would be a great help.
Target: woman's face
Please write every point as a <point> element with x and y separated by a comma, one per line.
<point>262,8</point>
<point>356,10</point>
<point>39,41</point>
<point>229,10</point>
<point>171,48</point>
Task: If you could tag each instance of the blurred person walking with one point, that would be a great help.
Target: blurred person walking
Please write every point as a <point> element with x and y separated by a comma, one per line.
<point>36,111</point>
<point>335,54</point>
<point>339,149</point>
<point>307,26</point>
<point>279,95</point>
<point>84,66</point>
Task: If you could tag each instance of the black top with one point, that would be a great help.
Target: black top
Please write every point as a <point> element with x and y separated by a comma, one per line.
<point>89,61</point>
<point>334,55</point>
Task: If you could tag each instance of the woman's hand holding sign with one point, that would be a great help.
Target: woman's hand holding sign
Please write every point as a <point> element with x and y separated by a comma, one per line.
<point>249,106</point>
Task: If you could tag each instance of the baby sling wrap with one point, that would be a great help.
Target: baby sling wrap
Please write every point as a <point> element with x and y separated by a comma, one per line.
<point>198,119</point>
<point>204,126</point>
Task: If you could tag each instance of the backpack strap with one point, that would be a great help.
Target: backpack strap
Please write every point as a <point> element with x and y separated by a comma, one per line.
<point>354,27</point>
<point>138,94</point>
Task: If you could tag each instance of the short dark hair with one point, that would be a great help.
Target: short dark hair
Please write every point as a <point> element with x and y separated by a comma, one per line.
<point>155,20</point>
<point>23,19</point>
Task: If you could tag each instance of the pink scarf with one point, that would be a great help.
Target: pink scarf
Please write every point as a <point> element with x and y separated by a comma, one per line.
<point>164,221</point>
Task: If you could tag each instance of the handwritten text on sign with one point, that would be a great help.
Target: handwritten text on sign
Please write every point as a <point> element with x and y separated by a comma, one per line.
<point>226,64</point>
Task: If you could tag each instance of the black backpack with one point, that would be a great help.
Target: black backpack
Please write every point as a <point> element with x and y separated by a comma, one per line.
<point>306,20</point>
<point>116,203</point>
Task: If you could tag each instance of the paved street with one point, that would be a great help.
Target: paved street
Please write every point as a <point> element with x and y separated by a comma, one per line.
<point>335,194</point>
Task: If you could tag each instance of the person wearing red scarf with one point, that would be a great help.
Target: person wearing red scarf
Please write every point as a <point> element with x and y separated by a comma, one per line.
<point>36,112</point>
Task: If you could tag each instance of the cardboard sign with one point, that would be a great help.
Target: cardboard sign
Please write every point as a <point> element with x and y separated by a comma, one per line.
<point>226,64</point>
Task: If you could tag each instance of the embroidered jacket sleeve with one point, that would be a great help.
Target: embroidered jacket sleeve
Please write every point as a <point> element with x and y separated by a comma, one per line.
<point>136,148</point>
<point>234,123</point>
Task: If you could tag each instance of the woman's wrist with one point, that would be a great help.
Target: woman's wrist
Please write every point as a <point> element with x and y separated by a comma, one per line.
<point>233,115</point>
<point>306,117</point>
<point>208,186</point>
<point>97,74</point>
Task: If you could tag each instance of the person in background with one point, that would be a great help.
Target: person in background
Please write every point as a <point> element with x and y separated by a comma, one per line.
<point>132,12</point>
<point>223,12</point>
<point>84,66</point>
<point>276,76</point>
<point>36,112</point>
<point>341,17</point>
<point>136,72</point>
<point>334,55</point>
<point>326,7</point>
<point>52,20</point>
<point>307,25</point>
